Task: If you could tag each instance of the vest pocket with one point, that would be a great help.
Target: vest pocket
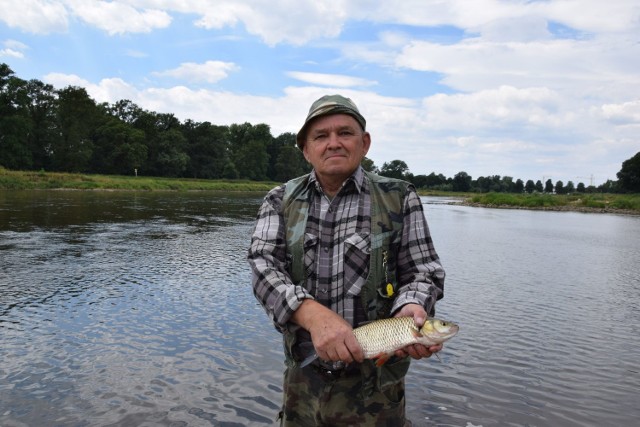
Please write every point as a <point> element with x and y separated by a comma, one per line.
<point>357,250</point>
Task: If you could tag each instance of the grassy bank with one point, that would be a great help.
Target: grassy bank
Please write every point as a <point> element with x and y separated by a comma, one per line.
<point>31,180</point>
<point>623,203</point>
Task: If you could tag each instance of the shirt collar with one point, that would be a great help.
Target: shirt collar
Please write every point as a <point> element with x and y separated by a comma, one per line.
<point>357,178</point>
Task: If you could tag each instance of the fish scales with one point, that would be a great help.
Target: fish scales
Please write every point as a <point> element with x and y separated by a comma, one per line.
<point>381,338</point>
<point>385,336</point>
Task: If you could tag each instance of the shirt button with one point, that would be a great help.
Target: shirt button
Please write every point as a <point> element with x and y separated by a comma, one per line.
<point>326,249</point>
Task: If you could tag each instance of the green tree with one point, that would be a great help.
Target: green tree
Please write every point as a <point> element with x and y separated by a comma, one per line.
<point>483,184</point>
<point>570,188</point>
<point>434,180</point>
<point>518,186</point>
<point>126,111</point>
<point>394,169</point>
<point>507,185</point>
<point>629,175</point>
<point>44,133</point>
<point>172,160</point>
<point>609,187</point>
<point>420,181</point>
<point>166,145</point>
<point>369,165</point>
<point>230,171</point>
<point>77,118</point>
<point>548,186</point>
<point>285,159</point>
<point>290,163</point>
<point>207,148</point>
<point>560,188</point>
<point>539,187</point>
<point>248,148</point>
<point>530,187</point>
<point>15,123</point>
<point>580,188</point>
<point>119,148</point>
<point>461,182</point>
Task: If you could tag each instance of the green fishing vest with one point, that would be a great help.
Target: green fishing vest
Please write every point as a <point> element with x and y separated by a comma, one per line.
<point>379,291</point>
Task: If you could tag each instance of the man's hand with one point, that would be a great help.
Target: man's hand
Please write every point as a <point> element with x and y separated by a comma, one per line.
<point>416,351</point>
<point>332,336</point>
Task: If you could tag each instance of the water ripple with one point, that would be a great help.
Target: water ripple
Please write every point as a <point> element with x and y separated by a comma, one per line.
<point>138,311</point>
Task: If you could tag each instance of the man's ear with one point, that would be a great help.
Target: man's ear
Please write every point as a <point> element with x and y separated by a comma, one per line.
<point>304,153</point>
<point>366,142</point>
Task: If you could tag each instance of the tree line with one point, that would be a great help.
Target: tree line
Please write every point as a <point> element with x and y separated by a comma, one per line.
<point>65,130</point>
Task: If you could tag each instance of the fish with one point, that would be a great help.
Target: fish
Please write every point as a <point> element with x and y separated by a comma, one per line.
<point>380,339</point>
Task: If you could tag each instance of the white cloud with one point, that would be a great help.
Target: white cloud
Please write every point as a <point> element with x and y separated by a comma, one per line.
<point>107,90</point>
<point>566,65</point>
<point>119,17</point>
<point>13,49</point>
<point>505,108</point>
<point>15,44</point>
<point>11,53</point>
<point>627,113</point>
<point>334,80</point>
<point>210,71</point>
<point>35,16</point>
<point>277,21</point>
<point>60,80</point>
<point>476,16</point>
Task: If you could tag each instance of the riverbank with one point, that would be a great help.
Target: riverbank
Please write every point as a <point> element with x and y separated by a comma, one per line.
<point>628,204</point>
<point>33,180</point>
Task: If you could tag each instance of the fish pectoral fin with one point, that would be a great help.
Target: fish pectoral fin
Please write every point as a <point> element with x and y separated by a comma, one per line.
<point>382,358</point>
<point>416,333</point>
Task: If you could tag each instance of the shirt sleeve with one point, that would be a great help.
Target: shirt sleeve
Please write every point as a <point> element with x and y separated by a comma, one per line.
<point>267,256</point>
<point>420,273</point>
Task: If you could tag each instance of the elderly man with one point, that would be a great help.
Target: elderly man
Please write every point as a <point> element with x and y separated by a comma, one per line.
<point>332,250</point>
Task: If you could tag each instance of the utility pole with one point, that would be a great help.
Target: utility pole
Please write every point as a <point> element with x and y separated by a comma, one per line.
<point>590,178</point>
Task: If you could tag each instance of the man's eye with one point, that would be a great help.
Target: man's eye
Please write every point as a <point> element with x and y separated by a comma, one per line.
<point>320,137</point>
<point>346,133</point>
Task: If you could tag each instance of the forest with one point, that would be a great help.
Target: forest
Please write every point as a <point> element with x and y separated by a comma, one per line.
<point>65,130</point>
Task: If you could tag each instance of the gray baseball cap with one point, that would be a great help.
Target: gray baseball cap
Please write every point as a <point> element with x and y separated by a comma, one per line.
<point>330,104</point>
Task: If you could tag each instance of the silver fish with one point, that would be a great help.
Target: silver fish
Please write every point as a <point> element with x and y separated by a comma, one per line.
<point>381,338</point>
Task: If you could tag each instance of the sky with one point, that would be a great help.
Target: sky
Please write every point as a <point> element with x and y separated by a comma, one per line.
<point>528,89</point>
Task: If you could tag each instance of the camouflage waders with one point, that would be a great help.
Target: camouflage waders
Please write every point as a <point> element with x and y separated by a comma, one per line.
<point>318,397</point>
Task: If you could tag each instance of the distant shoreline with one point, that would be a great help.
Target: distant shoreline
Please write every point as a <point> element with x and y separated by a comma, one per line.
<point>626,204</point>
<point>564,208</point>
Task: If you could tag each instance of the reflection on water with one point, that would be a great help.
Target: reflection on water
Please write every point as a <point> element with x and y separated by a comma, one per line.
<point>136,310</point>
<point>131,308</point>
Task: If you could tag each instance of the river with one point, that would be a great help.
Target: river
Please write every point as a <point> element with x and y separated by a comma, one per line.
<point>135,309</point>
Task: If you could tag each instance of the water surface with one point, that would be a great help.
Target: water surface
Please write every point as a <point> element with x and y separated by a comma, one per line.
<point>135,308</point>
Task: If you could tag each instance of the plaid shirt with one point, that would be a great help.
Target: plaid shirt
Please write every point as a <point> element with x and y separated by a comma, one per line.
<point>333,226</point>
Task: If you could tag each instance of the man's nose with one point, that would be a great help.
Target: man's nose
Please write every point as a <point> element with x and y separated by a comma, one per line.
<point>334,140</point>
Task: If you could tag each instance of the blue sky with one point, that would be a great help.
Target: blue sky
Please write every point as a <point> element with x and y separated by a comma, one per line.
<point>527,89</point>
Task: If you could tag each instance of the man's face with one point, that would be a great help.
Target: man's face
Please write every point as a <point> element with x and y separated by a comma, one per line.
<point>335,146</point>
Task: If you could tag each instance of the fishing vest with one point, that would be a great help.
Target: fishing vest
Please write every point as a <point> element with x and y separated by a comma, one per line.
<point>379,291</point>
